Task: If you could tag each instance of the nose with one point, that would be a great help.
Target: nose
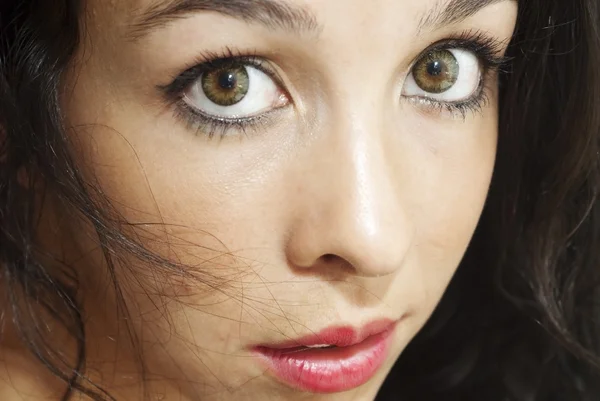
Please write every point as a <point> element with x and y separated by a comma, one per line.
<point>349,205</point>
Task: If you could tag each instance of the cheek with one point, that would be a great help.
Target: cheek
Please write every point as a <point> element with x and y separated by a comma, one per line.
<point>190,204</point>
<point>155,174</point>
<point>201,203</point>
<point>452,193</point>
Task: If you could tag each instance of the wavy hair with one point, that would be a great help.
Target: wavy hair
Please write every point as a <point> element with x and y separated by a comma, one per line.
<point>520,321</point>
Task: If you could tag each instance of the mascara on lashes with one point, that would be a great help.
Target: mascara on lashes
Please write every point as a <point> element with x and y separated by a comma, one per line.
<point>486,48</point>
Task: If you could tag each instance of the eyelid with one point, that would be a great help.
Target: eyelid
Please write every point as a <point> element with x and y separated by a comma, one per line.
<point>211,125</point>
<point>185,79</point>
<point>484,45</point>
<point>489,51</point>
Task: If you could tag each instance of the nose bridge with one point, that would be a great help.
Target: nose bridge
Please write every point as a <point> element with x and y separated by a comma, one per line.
<point>354,210</point>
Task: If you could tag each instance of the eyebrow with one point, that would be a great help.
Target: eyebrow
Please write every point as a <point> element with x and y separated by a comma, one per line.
<point>453,11</point>
<point>277,14</point>
<point>273,14</point>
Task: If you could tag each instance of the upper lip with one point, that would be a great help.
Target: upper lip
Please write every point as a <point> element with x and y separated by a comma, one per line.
<point>339,336</point>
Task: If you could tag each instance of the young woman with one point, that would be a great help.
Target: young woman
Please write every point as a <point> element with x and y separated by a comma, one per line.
<point>300,200</point>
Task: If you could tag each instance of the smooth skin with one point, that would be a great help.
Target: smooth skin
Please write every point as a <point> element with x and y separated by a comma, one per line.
<point>350,204</point>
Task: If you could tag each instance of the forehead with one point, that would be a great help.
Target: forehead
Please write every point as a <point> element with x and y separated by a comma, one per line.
<point>399,16</point>
<point>120,15</point>
<point>134,7</point>
<point>161,32</point>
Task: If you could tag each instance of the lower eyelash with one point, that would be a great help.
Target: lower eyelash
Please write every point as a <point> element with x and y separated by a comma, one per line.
<point>485,47</point>
<point>211,126</point>
<point>207,125</point>
<point>457,110</point>
<point>475,104</point>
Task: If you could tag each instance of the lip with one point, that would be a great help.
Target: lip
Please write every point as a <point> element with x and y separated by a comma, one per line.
<point>357,356</point>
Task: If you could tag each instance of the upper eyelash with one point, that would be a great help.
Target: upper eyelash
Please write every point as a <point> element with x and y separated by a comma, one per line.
<point>483,45</point>
<point>197,120</point>
<point>487,50</point>
<point>208,61</point>
<point>486,47</point>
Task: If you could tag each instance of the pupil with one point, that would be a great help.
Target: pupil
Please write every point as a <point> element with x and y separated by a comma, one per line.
<point>227,80</point>
<point>435,68</point>
<point>437,72</point>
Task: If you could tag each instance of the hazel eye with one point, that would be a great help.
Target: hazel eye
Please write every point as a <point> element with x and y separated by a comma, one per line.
<point>234,91</point>
<point>227,86</point>
<point>450,75</point>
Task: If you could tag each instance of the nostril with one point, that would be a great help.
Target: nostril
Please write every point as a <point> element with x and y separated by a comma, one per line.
<point>333,259</point>
<point>337,262</point>
<point>329,258</point>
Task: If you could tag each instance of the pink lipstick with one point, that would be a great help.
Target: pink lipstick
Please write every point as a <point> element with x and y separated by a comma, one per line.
<point>333,360</point>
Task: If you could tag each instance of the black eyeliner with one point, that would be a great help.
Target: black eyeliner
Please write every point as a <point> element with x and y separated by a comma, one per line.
<point>212,126</point>
<point>211,62</point>
<point>485,47</point>
<point>198,121</point>
<point>488,50</point>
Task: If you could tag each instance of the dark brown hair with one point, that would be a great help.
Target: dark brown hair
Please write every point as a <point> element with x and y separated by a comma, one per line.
<point>520,320</point>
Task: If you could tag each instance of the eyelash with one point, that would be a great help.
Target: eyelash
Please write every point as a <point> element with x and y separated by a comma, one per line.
<point>487,49</point>
<point>484,46</point>
<point>209,125</point>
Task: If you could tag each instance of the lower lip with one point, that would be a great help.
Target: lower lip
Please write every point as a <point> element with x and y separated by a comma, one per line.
<point>330,370</point>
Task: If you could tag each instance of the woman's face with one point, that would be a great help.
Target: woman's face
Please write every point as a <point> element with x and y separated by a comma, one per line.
<point>315,166</point>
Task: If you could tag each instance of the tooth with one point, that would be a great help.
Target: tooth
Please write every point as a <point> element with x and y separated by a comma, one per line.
<point>319,346</point>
